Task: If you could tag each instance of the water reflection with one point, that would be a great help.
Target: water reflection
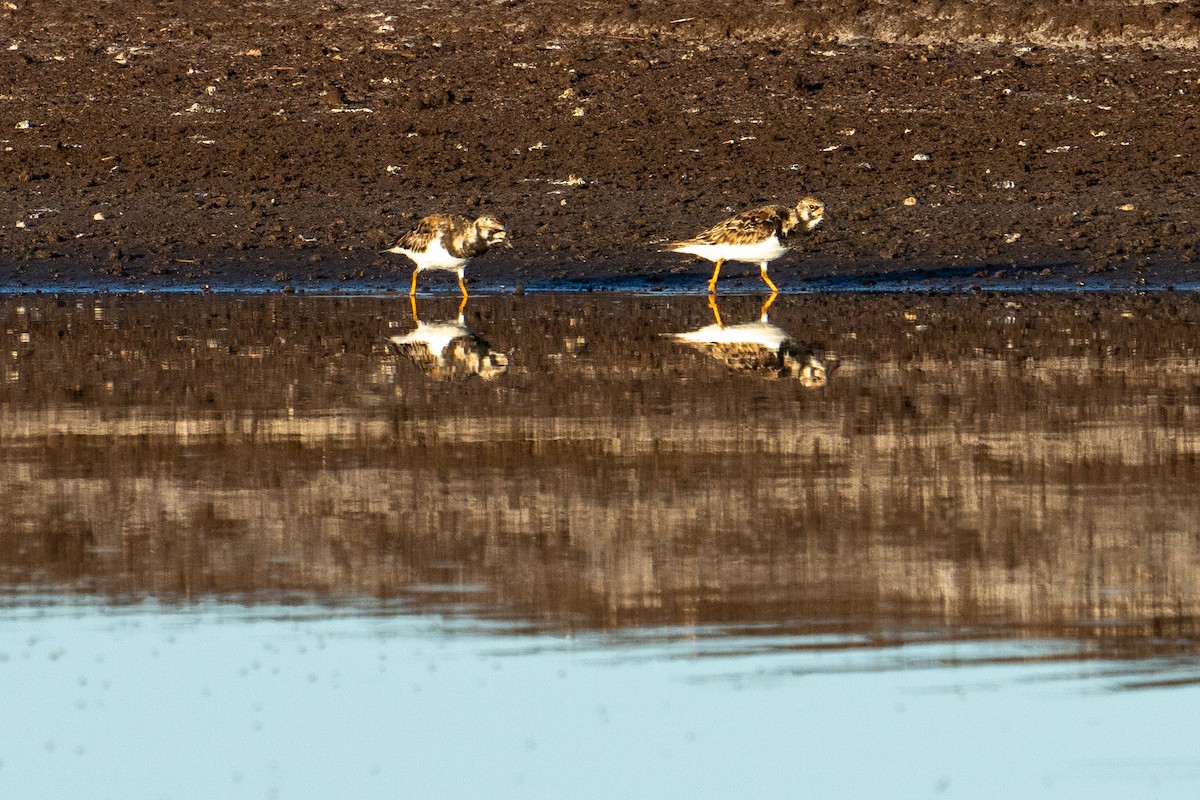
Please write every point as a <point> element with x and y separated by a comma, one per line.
<point>757,348</point>
<point>447,350</point>
<point>983,468</point>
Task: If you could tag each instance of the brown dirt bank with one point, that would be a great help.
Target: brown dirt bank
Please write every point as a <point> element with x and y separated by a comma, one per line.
<point>143,143</point>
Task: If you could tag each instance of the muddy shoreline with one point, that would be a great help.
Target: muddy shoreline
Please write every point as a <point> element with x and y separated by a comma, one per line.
<point>283,145</point>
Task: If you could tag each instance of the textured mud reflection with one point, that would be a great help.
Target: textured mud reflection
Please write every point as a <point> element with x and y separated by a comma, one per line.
<point>972,467</point>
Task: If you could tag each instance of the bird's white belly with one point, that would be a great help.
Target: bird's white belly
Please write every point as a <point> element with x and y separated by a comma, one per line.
<point>760,333</point>
<point>436,257</point>
<point>437,336</point>
<point>756,253</point>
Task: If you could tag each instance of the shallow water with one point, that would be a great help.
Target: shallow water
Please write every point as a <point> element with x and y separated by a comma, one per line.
<point>935,544</point>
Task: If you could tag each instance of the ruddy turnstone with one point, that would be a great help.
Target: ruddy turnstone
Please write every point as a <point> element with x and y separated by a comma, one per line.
<point>756,347</point>
<point>758,236</point>
<point>448,350</point>
<point>447,242</point>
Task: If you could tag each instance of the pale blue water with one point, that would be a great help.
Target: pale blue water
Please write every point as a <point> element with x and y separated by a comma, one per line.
<point>221,701</point>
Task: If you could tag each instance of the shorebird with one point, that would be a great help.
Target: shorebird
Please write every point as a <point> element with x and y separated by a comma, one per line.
<point>757,236</point>
<point>756,347</point>
<point>448,350</point>
<point>447,242</point>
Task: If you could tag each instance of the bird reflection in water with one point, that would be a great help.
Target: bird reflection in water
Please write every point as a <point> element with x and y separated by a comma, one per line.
<point>448,350</point>
<point>756,347</point>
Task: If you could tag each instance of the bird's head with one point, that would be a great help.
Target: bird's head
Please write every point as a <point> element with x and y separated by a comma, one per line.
<point>811,211</point>
<point>492,232</point>
<point>493,365</point>
<point>807,369</point>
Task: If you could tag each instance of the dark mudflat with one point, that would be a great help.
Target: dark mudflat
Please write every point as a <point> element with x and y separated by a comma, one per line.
<point>284,144</point>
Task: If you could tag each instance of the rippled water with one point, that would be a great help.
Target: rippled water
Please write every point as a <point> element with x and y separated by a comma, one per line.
<point>885,545</point>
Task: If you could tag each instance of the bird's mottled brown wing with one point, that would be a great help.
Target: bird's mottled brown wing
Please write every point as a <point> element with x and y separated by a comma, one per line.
<point>435,226</point>
<point>418,352</point>
<point>743,356</point>
<point>418,238</point>
<point>789,361</point>
<point>749,227</point>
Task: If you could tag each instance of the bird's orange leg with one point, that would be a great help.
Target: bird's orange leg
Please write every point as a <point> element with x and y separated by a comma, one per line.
<point>462,285</point>
<point>413,291</point>
<point>462,307</point>
<point>712,283</point>
<point>763,313</point>
<point>712,303</point>
<point>763,266</point>
<point>412,298</point>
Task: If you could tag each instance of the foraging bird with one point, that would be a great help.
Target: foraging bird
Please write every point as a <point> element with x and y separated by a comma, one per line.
<point>758,236</point>
<point>447,242</point>
<point>756,347</point>
<point>448,350</point>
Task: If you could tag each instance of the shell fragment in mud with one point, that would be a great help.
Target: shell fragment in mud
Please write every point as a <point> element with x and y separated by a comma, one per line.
<point>570,180</point>
<point>196,108</point>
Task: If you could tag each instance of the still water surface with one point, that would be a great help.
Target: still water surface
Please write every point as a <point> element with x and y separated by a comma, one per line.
<point>871,546</point>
